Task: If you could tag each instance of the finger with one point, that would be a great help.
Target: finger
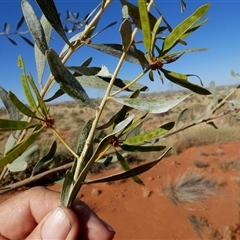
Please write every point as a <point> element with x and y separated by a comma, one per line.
<point>61,223</point>
<point>26,210</point>
<point>20,214</point>
<point>91,226</point>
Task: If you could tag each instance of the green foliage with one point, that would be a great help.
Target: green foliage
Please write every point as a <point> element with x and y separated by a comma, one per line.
<point>124,132</point>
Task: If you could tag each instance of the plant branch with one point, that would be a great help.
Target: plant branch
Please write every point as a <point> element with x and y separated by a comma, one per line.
<point>64,143</point>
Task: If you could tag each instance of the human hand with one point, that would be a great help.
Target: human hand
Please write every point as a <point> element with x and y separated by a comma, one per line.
<point>36,214</point>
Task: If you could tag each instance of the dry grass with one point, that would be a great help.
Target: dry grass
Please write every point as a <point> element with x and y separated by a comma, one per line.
<point>189,187</point>
<point>206,231</point>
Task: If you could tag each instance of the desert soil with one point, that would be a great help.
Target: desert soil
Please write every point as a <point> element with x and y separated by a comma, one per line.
<point>142,212</point>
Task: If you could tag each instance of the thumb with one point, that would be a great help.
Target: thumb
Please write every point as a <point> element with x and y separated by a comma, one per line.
<point>61,223</point>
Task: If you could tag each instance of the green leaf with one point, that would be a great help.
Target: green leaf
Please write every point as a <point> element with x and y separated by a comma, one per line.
<point>141,57</point>
<point>120,115</point>
<point>126,34</point>
<point>11,125</point>
<point>180,116</point>
<point>139,139</point>
<point>20,164</point>
<point>126,167</point>
<point>20,106</point>
<point>154,33</point>
<point>66,80</point>
<point>101,82</point>
<point>182,81</point>
<point>11,109</point>
<point>39,56</point>
<point>68,179</point>
<point>151,76</point>
<point>134,127</point>
<point>42,105</point>
<point>83,70</point>
<point>11,141</point>
<point>86,62</point>
<point>146,30</point>
<point>19,148</point>
<point>50,11</point>
<point>46,159</point>
<point>178,32</point>
<point>25,84</point>
<point>213,90</point>
<point>116,51</point>
<point>194,28</point>
<point>175,54</point>
<point>34,26</point>
<point>109,25</point>
<point>127,174</point>
<point>131,148</point>
<point>56,95</point>
<point>81,142</point>
<point>150,105</point>
<point>135,15</point>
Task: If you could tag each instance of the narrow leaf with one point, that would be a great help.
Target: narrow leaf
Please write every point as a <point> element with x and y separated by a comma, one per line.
<point>12,139</point>
<point>34,26</point>
<point>127,174</point>
<point>21,21</point>
<point>131,148</point>
<point>160,131</point>
<point>11,109</point>
<point>181,29</point>
<point>126,34</point>
<point>11,125</point>
<point>126,167</point>
<point>146,31</point>
<point>180,116</point>
<point>20,164</point>
<point>25,84</point>
<point>20,106</point>
<point>135,15</point>
<point>50,11</point>
<point>101,82</point>
<point>182,81</point>
<point>19,149</point>
<point>12,41</point>
<point>150,105</point>
<point>41,103</point>
<point>56,95</point>
<point>81,142</point>
<point>68,83</point>
<point>68,180</point>
<point>86,62</point>
<point>183,6</point>
<point>27,41</point>
<point>154,33</point>
<point>39,56</point>
<point>116,51</point>
<point>88,71</point>
<point>46,159</point>
<point>120,115</point>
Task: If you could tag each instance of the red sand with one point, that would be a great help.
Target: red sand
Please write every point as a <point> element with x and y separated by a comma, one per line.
<point>135,216</point>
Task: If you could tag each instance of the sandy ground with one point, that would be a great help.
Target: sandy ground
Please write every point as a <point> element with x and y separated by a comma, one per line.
<point>142,212</point>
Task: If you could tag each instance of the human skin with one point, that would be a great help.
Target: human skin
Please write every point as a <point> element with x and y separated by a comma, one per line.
<point>36,214</point>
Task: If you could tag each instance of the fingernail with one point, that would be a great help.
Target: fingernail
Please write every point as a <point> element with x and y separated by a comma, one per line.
<point>56,225</point>
<point>110,229</point>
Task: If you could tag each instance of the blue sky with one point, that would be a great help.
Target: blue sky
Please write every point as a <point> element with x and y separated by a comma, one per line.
<point>220,34</point>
